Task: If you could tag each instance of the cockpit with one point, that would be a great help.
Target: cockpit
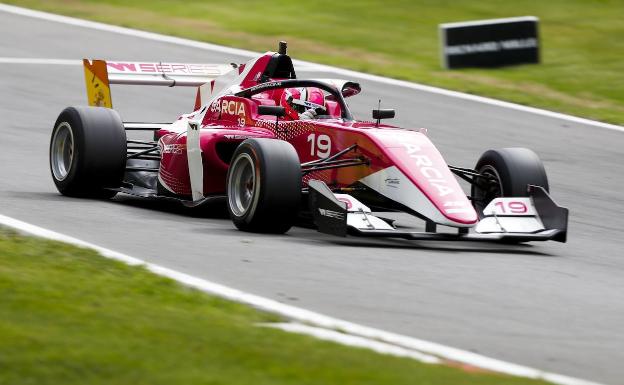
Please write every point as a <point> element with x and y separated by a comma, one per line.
<point>325,96</point>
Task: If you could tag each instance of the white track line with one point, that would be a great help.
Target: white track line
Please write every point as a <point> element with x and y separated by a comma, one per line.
<point>77,62</point>
<point>355,341</point>
<point>39,61</point>
<point>312,66</point>
<point>307,316</point>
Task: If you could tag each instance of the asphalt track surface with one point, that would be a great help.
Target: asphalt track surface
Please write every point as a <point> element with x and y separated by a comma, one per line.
<point>557,307</point>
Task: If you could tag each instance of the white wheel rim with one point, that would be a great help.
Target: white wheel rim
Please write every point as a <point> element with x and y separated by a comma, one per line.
<point>62,151</point>
<point>242,186</point>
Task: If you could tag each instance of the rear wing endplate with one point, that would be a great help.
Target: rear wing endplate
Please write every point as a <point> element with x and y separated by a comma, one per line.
<point>100,74</point>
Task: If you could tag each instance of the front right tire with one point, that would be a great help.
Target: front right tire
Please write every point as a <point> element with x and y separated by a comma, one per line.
<point>508,172</point>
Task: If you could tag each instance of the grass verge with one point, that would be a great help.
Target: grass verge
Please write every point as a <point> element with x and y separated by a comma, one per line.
<point>582,71</point>
<point>70,316</point>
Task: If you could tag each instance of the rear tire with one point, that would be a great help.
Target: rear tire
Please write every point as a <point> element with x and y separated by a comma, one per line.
<point>264,186</point>
<point>88,152</point>
<point>510,171</point>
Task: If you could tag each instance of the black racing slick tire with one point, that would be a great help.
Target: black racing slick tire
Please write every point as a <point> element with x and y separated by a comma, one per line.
<point>508,172</point>
<point>264,186</point>
<point>88,152</point>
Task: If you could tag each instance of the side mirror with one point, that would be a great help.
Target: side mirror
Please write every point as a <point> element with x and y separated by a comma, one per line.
<point>278,111</point>
<point>383,114</point>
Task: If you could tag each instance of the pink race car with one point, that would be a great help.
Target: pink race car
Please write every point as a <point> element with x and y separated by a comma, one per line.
<point>275,147</point>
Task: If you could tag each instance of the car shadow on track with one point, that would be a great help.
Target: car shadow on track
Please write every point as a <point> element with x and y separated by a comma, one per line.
<point>303,232</point>
<point>210,210</point>
<point>445,247</point>
<point>35,195</point>
<point>218,210</point>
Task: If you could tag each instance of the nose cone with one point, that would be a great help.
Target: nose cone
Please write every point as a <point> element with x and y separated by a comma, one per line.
<point>437,194</point>
<point>465,215</point>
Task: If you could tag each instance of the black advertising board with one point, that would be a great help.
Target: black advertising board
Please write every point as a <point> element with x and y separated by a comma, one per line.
<point>490,43</point>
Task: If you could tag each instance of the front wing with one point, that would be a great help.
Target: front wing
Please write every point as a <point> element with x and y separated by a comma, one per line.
<point>536,218</point>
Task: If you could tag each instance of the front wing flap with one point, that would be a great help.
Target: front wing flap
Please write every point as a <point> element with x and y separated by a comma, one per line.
<point>536,218</point>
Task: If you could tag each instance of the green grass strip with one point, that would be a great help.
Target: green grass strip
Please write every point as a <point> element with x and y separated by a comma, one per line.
<point>70,316</point>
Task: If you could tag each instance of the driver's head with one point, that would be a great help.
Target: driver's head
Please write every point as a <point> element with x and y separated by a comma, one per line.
<point>298,100</point>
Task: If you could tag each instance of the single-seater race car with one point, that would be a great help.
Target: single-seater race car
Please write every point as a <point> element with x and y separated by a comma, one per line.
<point>272,146</point>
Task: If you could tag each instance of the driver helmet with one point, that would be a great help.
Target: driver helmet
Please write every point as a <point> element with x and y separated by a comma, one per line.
<point>299,100</point>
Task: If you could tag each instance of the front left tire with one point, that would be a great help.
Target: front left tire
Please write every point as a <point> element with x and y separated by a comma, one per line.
<point>264,186</point>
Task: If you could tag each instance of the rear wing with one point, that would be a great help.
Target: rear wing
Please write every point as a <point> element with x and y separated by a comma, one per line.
<point>100,74</point>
